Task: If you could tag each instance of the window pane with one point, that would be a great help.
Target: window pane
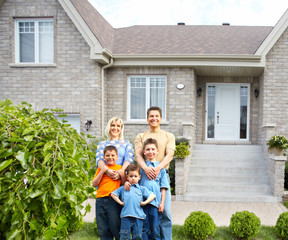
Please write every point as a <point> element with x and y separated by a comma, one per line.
<point>27,47</point>
<point>158,94</point>
<point>46,48</point>
<point>243,112</point>
<point>211,112</point>
<point>138,98</point>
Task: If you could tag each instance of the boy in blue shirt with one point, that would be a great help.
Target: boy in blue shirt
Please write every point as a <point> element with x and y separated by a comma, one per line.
<point>153,210</point>
<point>132,214</point>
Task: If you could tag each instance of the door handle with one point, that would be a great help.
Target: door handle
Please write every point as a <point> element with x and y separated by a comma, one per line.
<point>218,118</point>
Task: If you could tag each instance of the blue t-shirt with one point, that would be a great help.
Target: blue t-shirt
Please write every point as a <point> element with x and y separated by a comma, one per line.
<point>132,199</point>
<point>124,148</point>
<point>154,185</point>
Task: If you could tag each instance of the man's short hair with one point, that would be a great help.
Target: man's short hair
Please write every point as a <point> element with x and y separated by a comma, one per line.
<point>155,108</point>
<point>110,148</point>
<point>132,167</point>
<point>150,141</point>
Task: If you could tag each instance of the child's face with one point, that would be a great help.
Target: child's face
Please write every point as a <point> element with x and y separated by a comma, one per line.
<point>150,151</point>
<point>110,157</point>
<point>133,177</point>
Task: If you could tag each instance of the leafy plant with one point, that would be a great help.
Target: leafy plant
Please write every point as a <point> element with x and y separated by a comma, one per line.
<point>282,225</point>
<point>44,174</point>
<point>244,225</point>
<point>182,148</point>
<point>199,225</point>
<point>277,141</point>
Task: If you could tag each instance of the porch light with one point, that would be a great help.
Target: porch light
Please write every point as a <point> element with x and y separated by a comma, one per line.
<point>180,86</point>
<point>88,125</point>
<point>256,92</point>
<point>199,91</point>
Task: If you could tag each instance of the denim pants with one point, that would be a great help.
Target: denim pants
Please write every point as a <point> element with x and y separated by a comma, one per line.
<point>108,218</point>
<point>151,228</point>
<point>166,220</point>
<point>131,225</point>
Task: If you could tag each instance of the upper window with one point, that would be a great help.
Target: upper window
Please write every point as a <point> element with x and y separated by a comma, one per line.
<point>34,40</point>
<point>145,92</point>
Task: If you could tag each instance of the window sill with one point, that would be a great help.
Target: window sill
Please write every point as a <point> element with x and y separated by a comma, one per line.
<point>133,122</point>
<point>32,65</point>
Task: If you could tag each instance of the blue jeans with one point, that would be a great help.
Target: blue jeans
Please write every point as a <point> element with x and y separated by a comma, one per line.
<point>151,228</point>
<point>166,220</point>
<point>131,225</point>
<point>108,218</point>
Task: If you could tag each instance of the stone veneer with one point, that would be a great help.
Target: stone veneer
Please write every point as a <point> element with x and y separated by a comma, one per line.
<point>73,84</point>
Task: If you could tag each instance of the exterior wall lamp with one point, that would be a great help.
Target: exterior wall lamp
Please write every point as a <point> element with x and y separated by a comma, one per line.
<point>256,92</point>
<point>199,92</point>
<point>88,125</point>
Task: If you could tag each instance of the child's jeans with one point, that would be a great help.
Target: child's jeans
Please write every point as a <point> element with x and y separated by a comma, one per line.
<point>108,218</point>
<point>151,229</point>
<point>131,225</point>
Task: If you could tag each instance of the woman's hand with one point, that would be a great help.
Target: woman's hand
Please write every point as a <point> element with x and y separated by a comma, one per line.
<point>113,174</point>
<point>151,173</point>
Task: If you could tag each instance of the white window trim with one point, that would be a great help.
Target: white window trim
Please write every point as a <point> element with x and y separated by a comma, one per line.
<point>17,43</point>
<point>147,97</point>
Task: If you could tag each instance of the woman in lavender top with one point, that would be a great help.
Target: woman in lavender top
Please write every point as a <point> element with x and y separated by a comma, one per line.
<point>114,132</point>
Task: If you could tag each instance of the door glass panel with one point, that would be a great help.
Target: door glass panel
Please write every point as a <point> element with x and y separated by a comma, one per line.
<point>243,112</point>
<point>211,112</point>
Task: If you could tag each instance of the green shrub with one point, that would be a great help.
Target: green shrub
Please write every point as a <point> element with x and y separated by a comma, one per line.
<point>282,225</point>
<point>199,225</point>
<point>244,225</point>
<point>44,174</point>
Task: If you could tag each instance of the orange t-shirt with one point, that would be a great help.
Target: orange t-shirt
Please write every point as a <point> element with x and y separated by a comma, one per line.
<point>107,184</point>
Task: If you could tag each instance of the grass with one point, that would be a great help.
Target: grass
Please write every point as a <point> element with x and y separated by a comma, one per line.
<point>222,233</point>
<point>285,204</point>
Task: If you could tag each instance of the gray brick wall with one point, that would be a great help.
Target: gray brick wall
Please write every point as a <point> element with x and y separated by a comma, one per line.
<point>181,104</point>
<point>73,85</point>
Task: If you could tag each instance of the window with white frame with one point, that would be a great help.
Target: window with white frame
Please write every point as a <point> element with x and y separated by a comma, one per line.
<point>145,92</point>
<point>34,40</point>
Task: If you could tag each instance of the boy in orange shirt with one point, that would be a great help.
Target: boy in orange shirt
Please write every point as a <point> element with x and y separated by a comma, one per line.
<point>107,210</point>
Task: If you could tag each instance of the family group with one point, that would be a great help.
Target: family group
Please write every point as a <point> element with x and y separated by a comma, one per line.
<point>133,201</point>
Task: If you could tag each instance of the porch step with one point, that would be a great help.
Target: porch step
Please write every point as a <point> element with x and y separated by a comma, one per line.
<point>229,173</point>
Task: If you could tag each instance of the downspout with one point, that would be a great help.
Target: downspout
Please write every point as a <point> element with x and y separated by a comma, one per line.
<point>103,92</point>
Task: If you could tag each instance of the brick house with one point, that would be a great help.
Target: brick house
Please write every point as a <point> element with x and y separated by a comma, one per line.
<point>219,86</point>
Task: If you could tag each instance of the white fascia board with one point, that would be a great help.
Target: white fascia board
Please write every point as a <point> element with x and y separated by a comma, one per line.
<point>273,36</point>
<point>95,47</point>
<point>191,60</point>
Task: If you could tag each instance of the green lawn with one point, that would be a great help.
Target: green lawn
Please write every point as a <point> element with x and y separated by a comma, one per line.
<point>222,233</point>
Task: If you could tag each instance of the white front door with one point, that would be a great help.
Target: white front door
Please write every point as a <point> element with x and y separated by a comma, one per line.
<point>227,112</point>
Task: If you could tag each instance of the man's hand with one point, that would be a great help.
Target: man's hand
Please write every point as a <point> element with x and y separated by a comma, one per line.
<point>150,173</point>
<point>161,207</point>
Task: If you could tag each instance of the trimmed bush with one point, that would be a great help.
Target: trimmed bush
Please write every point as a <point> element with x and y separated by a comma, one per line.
<point>199,225</point>
<point>282,226</point>
<point>244,225</point>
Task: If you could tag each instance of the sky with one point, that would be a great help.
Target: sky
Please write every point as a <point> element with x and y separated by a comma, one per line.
<point>125,13</point>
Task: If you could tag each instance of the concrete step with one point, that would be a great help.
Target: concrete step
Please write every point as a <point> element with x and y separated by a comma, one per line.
<point>222,170</point>
<point>221,178</point>
<point>224,197</point>
<point>230,188</point>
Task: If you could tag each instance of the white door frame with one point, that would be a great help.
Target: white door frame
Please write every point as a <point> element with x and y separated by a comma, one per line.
<point>237,116</point>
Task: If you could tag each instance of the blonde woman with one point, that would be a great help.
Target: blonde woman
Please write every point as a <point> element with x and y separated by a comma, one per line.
<point>114,132</point>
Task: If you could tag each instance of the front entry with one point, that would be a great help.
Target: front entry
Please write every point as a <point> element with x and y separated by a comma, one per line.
<point>227,112</point>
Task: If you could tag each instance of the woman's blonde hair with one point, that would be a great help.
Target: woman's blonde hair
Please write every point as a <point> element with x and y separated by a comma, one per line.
<point>108,126</point>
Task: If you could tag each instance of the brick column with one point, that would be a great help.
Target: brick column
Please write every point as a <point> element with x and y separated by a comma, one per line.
<point>276,166</point>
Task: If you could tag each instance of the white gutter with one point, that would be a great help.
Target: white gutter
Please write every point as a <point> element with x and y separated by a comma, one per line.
<point>102,94</point>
